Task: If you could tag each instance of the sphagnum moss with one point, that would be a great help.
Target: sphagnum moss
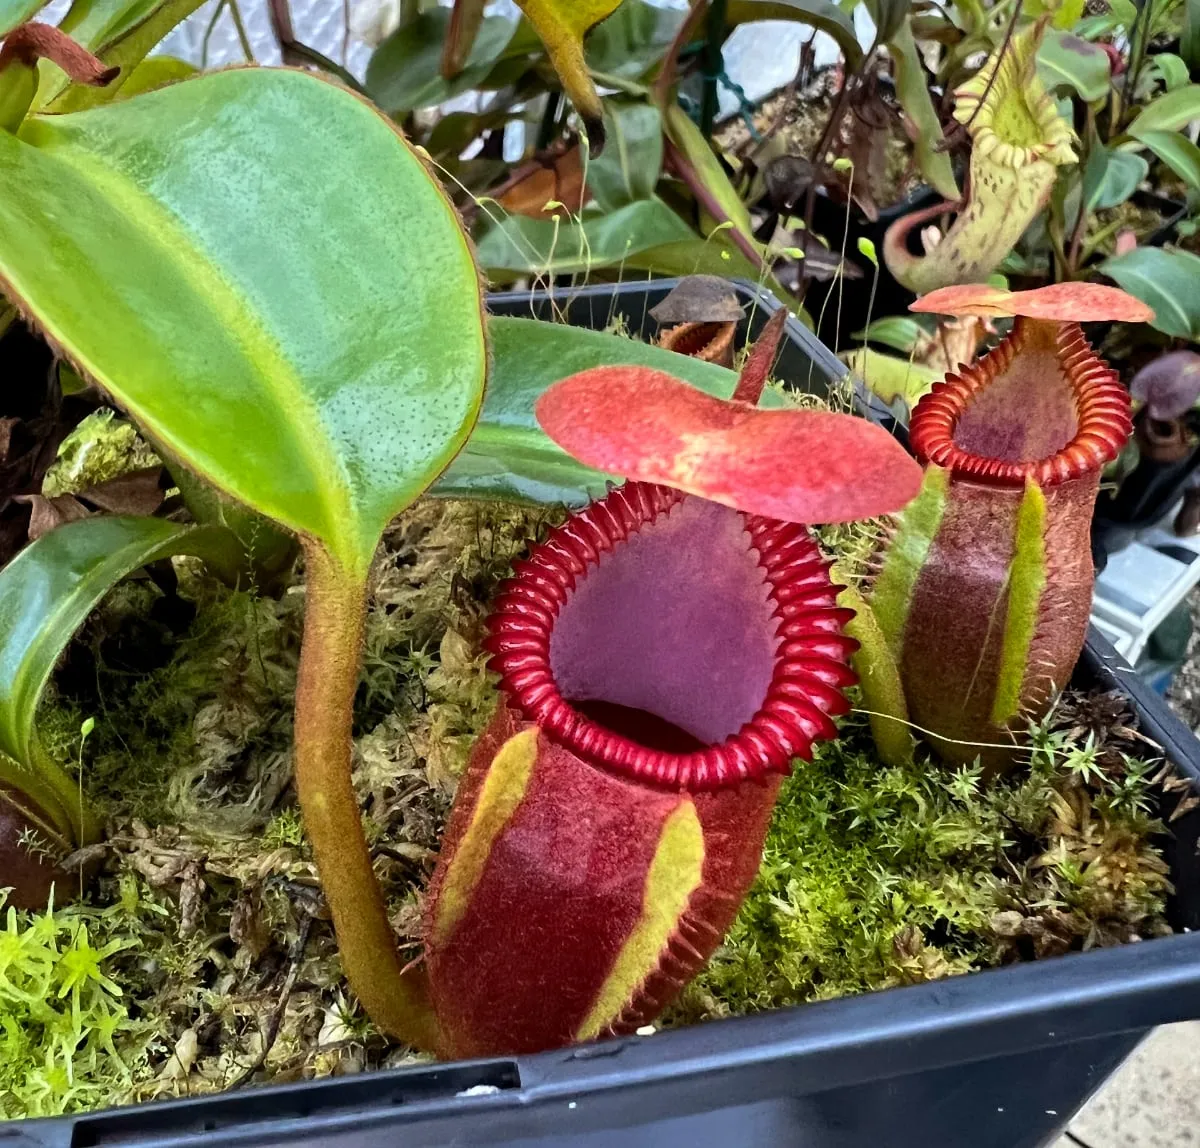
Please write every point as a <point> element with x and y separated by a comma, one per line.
<point>219,966</point>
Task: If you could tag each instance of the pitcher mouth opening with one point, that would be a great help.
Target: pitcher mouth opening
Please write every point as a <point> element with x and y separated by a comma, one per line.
<point>1040,406</point>
<point>675,641</point>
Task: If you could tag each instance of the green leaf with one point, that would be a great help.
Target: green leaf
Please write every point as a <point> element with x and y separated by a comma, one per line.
<point>1177,152</point>
<point>1169,112</point>
<point>1066,60</point>
<point>642,236</point>
<point>896,331</point>
<point>1121,173</point>
<point>1173,71</point>
<point>508,455</point>
<point>405,71</point>
<point>268,279</point>
<point>155,72</point>
<point>1120,16</point>
<point>13,13</point>
<point>690,140</point>
<point>1189,41</point>
<point>912,89</point>
<point>819,14</point>
<point>632,39</point>
<point>121,33</point>
<point>1165,280</point>
<point>629,167</point>
<point>891,378</point>
<point>46,592</point>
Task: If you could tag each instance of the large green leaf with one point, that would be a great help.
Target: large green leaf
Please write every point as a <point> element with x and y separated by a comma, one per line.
<point>1177,152</point>
<point>1169,112</point>
<point>46,592</point>
<point>264,274</point>
<point>520,245</point>
<point>1065,60</point>
<point>16,12</point>
<point>405,71</point>
<point>508,455</point>
<point>1164,280</point>
<point>121,33</point>
<point>820,14</point>
<point>629,167</point>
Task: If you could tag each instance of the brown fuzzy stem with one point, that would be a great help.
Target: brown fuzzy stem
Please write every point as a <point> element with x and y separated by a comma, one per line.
<point>758,366</point>
<point>328,676</point>
<point>33,41</point>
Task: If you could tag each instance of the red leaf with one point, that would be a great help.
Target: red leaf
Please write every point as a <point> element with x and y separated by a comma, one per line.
<point>1061,302</point>
<point>796,466</point>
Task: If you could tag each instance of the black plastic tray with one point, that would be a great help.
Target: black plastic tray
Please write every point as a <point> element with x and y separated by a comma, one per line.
<point>997,1059</point>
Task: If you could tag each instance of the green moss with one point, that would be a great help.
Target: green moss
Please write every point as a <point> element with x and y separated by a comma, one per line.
<point>68,1038</point>
<point>101,447</point>
<point>875,876</point>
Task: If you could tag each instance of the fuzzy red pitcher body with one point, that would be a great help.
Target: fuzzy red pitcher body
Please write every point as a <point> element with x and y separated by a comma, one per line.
<point>663,659</point>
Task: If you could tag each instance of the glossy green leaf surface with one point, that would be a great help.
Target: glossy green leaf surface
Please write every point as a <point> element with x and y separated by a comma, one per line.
<point>1164,280</point>
<point>508,455</point>
<point>1177,152</point>
<point>628,168</point>
<point>121,33</point>
<point>46,592</point>
<point>1065,60</point>
<point>16,12</point>
<point>265,275</point>
<point>1170,112</point>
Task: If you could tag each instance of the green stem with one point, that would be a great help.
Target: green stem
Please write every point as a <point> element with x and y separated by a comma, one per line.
<point>240,28</point>
<point>328,675</point>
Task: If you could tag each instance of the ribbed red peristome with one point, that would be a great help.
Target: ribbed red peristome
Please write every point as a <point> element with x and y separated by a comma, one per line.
<point>812,659</point>
<point>1102,407</point>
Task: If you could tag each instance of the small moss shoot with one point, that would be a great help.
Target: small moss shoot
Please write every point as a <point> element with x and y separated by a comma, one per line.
<point>203,957</point>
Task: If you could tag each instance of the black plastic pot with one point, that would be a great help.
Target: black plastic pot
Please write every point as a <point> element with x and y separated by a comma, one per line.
<point>997,1059</point>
